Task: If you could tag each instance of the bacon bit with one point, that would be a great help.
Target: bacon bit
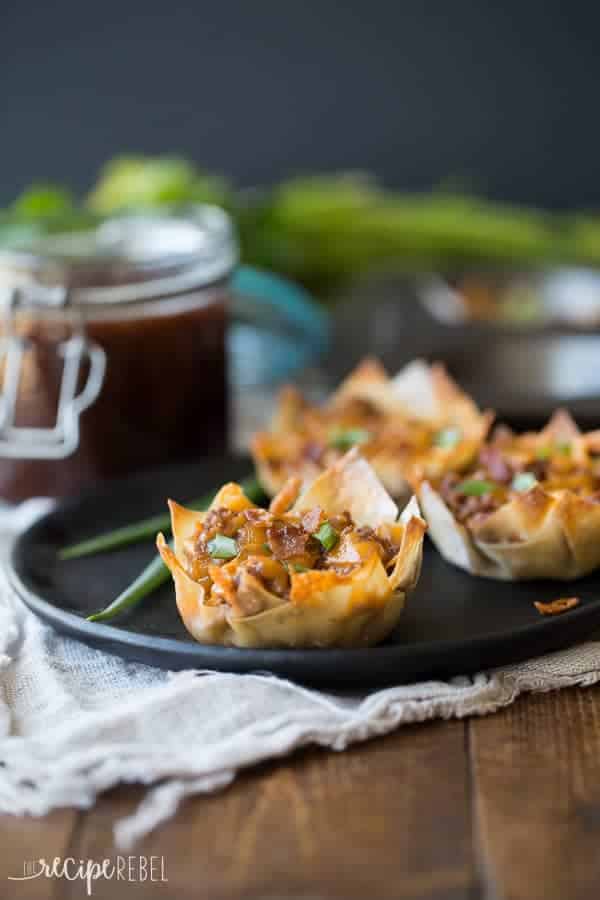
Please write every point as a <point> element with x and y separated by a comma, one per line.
<point>341,521</point>
<point>502,434</point>
<point>282,501</point>
<point>466,509</point>
<point>496,465</point>
<point>256,516</point>
<point>478,518</point>
<point>448,483</point>
<point>220,519</point>
<point>313,452</point>
<point>287,540</point>
<point>556,607</point>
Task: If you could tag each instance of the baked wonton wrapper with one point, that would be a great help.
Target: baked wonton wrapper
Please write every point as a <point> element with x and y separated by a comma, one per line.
<point>324,608</point>
<point>402,415</point>
<point>548,531</point>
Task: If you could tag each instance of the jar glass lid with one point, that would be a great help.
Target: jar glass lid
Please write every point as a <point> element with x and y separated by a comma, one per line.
<point>126,259</point>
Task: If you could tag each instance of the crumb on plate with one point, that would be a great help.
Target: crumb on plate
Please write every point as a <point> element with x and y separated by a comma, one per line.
<point>556,607</point>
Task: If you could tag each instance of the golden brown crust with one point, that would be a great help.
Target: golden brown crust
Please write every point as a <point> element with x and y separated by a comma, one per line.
<point>350,484</point>
<point>544,532</point>
<point>325,607</point>
<point>288,494</point>
<point>407,411</point>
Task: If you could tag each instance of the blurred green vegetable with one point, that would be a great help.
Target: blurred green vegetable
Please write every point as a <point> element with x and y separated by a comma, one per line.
<point>324,229</point>
<point>475,487</point>
<point>41,209</point>
<point>139,182</point>
<point>43,201</point>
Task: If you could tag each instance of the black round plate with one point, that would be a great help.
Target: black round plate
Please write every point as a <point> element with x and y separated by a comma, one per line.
<point>454,624</point>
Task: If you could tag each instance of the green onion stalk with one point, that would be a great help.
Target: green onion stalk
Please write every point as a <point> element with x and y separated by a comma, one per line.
<point>156,573</point>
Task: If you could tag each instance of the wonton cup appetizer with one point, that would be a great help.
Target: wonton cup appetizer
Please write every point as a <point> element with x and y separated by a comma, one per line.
<point>327,568</point>
<point>419,420</point>
<point>530,508</point>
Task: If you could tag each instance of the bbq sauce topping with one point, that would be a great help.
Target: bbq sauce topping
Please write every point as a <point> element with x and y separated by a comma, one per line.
<point>249,559</point>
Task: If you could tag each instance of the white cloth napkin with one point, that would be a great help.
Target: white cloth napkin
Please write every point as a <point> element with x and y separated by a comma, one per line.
<point>76,721</point>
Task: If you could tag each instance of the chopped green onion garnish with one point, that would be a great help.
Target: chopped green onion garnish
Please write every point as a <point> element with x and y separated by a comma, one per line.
<point>476,488</point>
<point>544,453</point>
<point>298,567</point>
<point>149,580</point>
<point>564,447</point>
<point>523,481</point>
<point>222,547</point>
<point>447,437</point>
<point>327,535</point>
<point>345,438</point>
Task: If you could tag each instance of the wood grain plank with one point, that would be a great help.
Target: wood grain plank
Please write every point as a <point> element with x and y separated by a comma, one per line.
<point>26,839</point>
<point>536,770</point>
<point>387,819</point>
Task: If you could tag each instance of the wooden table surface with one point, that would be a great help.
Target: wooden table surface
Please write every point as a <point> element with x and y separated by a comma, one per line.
<point>506,806</point>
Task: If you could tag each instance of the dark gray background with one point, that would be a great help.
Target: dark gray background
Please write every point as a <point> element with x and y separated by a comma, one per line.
<point>502,96</point>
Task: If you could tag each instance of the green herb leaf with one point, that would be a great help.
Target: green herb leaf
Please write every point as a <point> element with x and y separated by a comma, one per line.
<point>544,453</point>
<point>345,438</point>
<point>267,549</point>
<point>298,567</point>
<point>564,447</point>
<point>327,535</point>
<point>476,488</point>
<point>447,438</point>
<point>523,481</point>
<point>222,547</point>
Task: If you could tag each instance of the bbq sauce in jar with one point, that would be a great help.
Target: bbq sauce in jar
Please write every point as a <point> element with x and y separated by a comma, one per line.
<point>152,294</point>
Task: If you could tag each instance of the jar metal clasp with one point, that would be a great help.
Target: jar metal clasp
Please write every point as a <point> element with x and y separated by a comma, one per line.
<point>62,439</point>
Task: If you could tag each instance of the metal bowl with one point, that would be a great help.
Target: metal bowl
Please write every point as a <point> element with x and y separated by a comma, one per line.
<point>523,369</point>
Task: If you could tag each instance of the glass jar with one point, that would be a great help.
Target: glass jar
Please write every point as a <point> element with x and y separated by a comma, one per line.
<point>117,339</point>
